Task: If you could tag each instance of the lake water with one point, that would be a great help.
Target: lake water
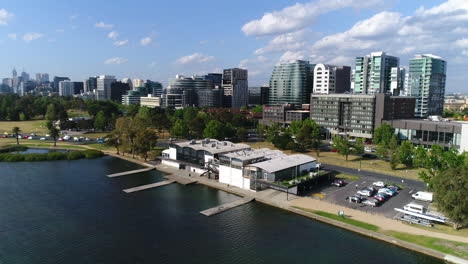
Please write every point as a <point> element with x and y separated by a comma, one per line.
<point>70,212</point>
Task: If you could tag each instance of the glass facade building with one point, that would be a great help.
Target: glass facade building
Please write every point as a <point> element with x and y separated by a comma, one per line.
<point>426,82</point>
<point>372,74</point>
<point>291,83</point>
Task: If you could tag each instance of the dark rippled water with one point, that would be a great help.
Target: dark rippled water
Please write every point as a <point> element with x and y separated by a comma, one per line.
<point>70,212</point>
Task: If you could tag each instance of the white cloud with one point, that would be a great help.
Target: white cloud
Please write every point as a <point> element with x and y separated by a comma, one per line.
<point>299,16</point>
<point>28,37</point>
<point>104,25</point>
<point>462,43</point>
<point>283,42</point>
<point>5,16</point>
<point>12,36</point>
<point>195,58</point>
<point>121,43</point>
<point>145,41</point>
<point>115,60</point>
<point>292,55</point>
<point>113,35</point>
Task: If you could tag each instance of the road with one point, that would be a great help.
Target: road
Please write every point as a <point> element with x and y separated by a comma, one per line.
<point>377,176</point>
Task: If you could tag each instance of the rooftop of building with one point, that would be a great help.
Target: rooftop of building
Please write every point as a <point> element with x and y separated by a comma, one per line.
<point>212,146</point>
<point>283,162</point>
<point>349,95</point>
<point>251,154</point>
<point>433,120</point>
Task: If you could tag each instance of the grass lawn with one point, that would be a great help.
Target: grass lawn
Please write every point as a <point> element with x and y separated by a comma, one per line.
<point>27,127</point>
<point>343,219</point>
<point>101,147</point>
<point>77,113</point>
<point>344,176</point>
<point>334,158</point>
<point>445,229</point>
<point>458,249</point>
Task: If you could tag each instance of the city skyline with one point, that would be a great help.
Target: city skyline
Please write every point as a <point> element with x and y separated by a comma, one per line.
<point>144,40</point>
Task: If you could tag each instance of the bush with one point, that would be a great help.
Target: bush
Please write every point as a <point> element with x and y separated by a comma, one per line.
<point>74,155</point>
<point>14,157</point>
<point>92,154</point>
<point>35,157</point>
<point>13,149</point>
<point>56,156</point>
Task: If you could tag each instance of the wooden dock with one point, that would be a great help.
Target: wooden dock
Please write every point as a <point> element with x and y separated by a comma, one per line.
<point>130,172</point>
<point>181,180</point>
<point>147,186</point>
<point>225,207</point>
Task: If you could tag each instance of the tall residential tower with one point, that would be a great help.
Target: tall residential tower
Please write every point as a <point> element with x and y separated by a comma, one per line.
<point>235,88</point>
<point>372,74</point>
<point>426,82</point>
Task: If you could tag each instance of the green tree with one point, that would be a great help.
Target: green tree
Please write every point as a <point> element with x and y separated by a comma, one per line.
<point>296,126</point>
<point>450,193</point>
<point>420,157</point>
<point>51,114</point>
<point>242,134</point>
<point>342,145</point>
<point>113,139</point>
<point>180,129</point>
<point>405,153</point>
<point>358,147</point>
<point>100,122</point>
<point>53,131</point>
<point>145,141</point>
<point>383,134</point>
<point>257,109</point>
<point>16,130</point>
<point>214,129</point>
<point>196,127</point>
<point>439,160</point>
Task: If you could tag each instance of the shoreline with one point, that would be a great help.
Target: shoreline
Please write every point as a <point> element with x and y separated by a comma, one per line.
<point>281,205</point>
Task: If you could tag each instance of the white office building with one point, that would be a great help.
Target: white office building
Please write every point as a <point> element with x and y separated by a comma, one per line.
<point>104,87</point>
<point>150,101</point>
<point>238,164</point>
<point>330,79</point>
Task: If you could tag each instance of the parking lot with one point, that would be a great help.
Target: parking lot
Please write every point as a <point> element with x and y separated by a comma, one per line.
<point>337,195</point>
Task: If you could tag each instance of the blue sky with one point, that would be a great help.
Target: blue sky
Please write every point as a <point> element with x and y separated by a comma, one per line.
<point>158,39</point>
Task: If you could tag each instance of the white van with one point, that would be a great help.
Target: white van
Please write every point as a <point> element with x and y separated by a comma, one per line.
<point>416,208</point>
<point>423,196</point>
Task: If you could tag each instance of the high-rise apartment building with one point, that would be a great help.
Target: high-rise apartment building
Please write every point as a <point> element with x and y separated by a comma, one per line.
<point>258,95</point>
<point>329,79</point>
<point>103,89</point>
<point>235,88</point>
<point>58,79</point>
<point>291,83</point>
<point>196,91</point>
<point>372,74</point>
<point>426,82</point>
<point>138,83</point>
<point>397,84</point>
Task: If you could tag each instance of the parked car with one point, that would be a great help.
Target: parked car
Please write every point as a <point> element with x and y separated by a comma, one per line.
<point>394,188</point>
<point>370,188</point>
<point>30,137</point>
<point>100,141</point>
<point>42,138</point>
<point>371,202</point>
<point>365,192</point>
<point>387,191</point>
<point>384,196</point>
<point>87,139</point>
<point>47,135</point>
<point>66,138</point>
<point>338,183</point>
<point>60,139</point>
<point>379,184</point>
<point>334,150</point>
<point>76,139</point>
<point>354,199</point>
<point>4,136</point>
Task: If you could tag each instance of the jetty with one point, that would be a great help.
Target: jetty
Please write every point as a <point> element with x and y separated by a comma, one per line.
<point>147,186</point>
<point>227,206</point>
<point>130,172</point>
<point>181,179</point>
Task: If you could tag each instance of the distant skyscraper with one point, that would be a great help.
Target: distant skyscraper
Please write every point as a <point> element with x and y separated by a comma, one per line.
<point>14,72</point>
<point>104,87</point>
<point>138,83</point>
<point>258,95</point>
<point>58,79</point>
<point>24,76</point>
<point>373,73</point>
<point>397,81</point>
<point>236,88</point>
<point>78,87</point>
<point>154,88</point>
<point>329,79</point>
<point>426,81</point>
<point>118,89</point>
<point>38,77</point>
<point>291,83</point>
<point>129,82</point>
<point>66,88</point>
<point>45,77</point>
